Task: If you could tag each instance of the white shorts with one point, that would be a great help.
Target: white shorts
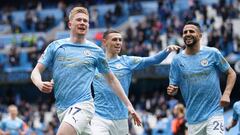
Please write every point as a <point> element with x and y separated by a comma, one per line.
<point>101,126</point>
<point>213,126</point>
<point>79,116</point>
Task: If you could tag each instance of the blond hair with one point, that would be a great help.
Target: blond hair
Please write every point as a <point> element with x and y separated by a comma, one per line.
<point>12,107</point>
<point>180,108</point>
<point>76,10</point>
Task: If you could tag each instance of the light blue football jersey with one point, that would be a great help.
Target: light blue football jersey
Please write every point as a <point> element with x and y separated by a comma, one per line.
<point>12,126</point>
<point>73,67</point>
<point>236,113</point>
<point>198,79</point>
<point>107,104</point>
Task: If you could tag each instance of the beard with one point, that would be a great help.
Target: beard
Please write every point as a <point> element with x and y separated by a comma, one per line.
<point>190,42</point>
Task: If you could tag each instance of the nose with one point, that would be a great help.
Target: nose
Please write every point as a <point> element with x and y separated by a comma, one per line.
<point>82,22</point>
<point>187,32</point>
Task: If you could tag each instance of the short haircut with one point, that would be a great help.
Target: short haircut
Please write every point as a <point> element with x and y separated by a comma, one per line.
<point>12,107</point>
<point>180,108</point>
<point>106,33</point>
<point>193,23</point>
<point>76,10</point>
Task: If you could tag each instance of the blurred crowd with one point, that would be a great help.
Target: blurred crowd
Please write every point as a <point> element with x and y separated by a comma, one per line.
<point>159,29</point>
<point>151,35</point>
<point>38,118</point>
<point>160,114</point>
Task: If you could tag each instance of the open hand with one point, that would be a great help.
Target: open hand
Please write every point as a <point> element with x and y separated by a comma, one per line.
<point>171,48</point>
<point>136,118</point>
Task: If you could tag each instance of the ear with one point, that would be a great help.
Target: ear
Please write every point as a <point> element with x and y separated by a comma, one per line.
<point>69,24</point>
<point>104,42</point>
<point>200,35</point>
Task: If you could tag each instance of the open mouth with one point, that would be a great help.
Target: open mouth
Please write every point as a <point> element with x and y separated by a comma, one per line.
<point>188,39</point>
<point>81,28</point>
<point>118,48</point>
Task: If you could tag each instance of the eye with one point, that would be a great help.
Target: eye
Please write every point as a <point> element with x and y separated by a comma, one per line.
<point>114,39</point>
<point>85,20</point>
<point>191,31</point>
<point>78,19</point>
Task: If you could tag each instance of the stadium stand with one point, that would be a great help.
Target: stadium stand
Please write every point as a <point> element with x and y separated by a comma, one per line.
<point>148,26</point>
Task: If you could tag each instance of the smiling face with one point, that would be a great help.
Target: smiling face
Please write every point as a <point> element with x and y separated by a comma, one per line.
<point>191,35</point>
<point>79,21</point>
<point>113,43</point>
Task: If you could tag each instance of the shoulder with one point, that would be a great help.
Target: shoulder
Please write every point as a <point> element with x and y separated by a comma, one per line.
<point>125,57</point>
<point>178,56</point>
<point>6,119</point>
<point>210,49</point>
<point>93,45</point>
<point>236,105</point>
<point>58,43</point>
<point>20,120</point>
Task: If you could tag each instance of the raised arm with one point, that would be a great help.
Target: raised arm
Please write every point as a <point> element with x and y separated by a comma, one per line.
<point>231,78</point>
<point>43,86</point>
<point>116,86</point>
<point>160,56</point>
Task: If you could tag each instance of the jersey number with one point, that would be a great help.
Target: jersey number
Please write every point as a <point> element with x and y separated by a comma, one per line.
<point>218,126</point>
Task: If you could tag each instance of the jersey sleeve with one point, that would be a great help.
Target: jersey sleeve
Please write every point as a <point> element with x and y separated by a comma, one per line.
<point>134,62</point>
<point>235,115</point>
<point>102,64</point>
<point>221,62</point>
<point>137,63</point>
<point>174,73</point>
<point>47,56</point>
<point>3,125</point>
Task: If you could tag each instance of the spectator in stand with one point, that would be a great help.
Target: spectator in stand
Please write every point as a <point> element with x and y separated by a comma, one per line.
<point>179,122</point>
<point>14,56</point>
<point>13,125</point>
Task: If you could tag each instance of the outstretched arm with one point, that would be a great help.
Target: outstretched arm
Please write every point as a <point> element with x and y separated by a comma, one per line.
<point>116,86</point>
<point>160,56</point>
<point>43,86</point>
<point>231,78</point>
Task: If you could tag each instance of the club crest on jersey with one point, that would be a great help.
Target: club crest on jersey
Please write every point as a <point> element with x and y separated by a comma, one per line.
<point>118,66</point>
<point>87,53</point>
<point>204,62</point>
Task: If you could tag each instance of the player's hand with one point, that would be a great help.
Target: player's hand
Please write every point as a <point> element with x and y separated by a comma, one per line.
<point>136,118</point>
<point>225,100</point>
<point>171,48</point>
<point>172,90</point>
<point>227,129</point>
<point>46,87</point>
